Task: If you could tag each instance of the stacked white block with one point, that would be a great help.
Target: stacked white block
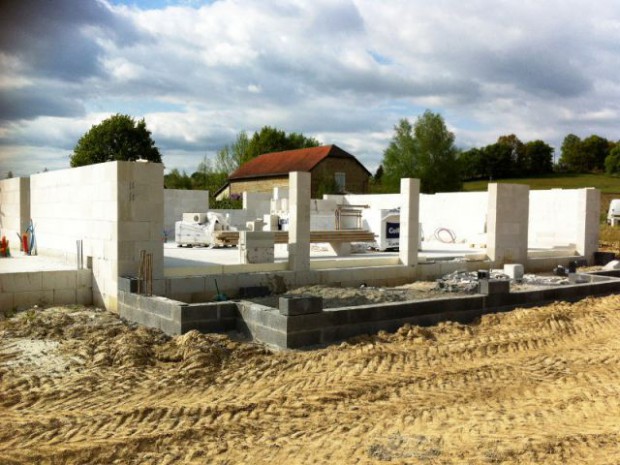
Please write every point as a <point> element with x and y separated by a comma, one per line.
<point>256,247</point>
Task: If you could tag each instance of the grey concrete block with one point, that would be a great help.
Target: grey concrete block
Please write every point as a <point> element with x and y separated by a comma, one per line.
<point>268,335</point>
<point>493,286</point>
<point>253,314</point>
<point>303,339</point>
<point>199,312</point>
<point>228,310</point>
<point>300,305</point>
<point>194,284</point>
<point>306,322</point>
<point>336,317</point>
<point>341,333</point>
<point>249,292</point>
<point>161,306</point>
<point>170,327</point>
<point>362,313</point>
<point>127,284</point>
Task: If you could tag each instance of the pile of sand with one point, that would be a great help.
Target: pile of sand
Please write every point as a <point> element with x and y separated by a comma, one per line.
<point>540,386</point>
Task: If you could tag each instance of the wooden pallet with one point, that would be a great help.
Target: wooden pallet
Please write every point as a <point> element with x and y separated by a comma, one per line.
<point>281,237</point>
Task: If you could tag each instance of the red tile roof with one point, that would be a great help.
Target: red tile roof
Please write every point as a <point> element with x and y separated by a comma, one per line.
<point>282,163</point>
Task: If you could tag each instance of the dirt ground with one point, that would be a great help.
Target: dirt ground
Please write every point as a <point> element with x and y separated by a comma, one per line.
<point>530,386</point>
<point>336,296</point>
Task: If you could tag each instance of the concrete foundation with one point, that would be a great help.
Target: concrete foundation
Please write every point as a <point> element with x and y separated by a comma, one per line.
<point>301,322</point>
<point>19,291</point>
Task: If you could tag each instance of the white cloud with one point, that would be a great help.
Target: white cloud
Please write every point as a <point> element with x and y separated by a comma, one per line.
<point>343,71</point>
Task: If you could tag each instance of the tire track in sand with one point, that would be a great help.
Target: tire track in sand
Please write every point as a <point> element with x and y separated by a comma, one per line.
<point>530,386</point>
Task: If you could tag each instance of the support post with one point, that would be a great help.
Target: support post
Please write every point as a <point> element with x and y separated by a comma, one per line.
<point>299,221</point>
<point>507,223</point>
<point>588,211</point>
<point>409,221</point>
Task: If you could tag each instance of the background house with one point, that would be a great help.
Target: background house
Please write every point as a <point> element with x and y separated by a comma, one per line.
<point>332,171</point>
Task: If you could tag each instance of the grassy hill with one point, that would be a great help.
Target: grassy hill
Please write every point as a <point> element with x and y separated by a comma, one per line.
<point>606,184</point>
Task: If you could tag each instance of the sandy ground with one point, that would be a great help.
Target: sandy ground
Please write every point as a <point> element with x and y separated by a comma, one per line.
<point>530,386</point>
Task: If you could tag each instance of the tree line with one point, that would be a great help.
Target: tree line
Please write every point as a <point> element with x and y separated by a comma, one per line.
<point>424,149</point>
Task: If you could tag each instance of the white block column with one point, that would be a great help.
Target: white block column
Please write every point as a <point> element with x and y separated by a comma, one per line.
<point>409,221</point>
<point>588,211</point>
<point>507,223</point>
<point>299,221</point>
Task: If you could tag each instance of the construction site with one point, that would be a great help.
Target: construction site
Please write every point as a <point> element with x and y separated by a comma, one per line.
<point>407,328</point>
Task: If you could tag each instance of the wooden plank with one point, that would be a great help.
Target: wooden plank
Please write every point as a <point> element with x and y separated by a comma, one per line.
<point>281,237</point>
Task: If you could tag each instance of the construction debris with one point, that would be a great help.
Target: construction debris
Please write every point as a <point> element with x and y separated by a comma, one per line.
<point>467,281</point>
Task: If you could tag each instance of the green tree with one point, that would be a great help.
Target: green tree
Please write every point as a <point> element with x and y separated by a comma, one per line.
<point>399,159</point>
<point>539,156</point>
<point>270,139</point>
<point>426,151</point>
<point>518,157</point>
<point>470,164</point>
<point>116,138</point>
<point>595,149</point>
<point>612,162</point>
<point>267,140</point>
<point>177,180</point>
<point>496,160</point>
<point>9,175</point>
<point>571,158</point>
<point>378,174</point>
<point>231,157</point>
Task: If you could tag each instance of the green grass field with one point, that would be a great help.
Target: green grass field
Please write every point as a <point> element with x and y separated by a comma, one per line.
<point>606,184</point>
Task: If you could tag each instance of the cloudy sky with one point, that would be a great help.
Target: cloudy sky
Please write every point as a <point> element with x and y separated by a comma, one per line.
<point>343,71</point>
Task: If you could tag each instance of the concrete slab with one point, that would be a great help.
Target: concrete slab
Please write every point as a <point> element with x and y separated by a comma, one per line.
<point>183,257</point>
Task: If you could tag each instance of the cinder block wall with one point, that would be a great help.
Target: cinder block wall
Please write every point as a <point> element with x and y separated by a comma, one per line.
<point>23,290</point>
<point>14,208</point>
<point>115,208</point>
<point>179,201</point>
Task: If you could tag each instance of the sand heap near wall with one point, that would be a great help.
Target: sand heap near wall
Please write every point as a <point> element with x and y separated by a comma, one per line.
<point>531,386</point>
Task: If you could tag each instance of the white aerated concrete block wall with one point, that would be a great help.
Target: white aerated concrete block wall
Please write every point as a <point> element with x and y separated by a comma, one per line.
<point>257,204</point>
<point>463,214</point>
<point>507,224</point>
<point>179,201</point>
<point>115,208</point>
<point>374,201</point>
<point>256,247</point>
<point>14,209</point>
<point>588,214</point>
<point>24,290</point>
<point>565,218</point>
<point>553,218</point>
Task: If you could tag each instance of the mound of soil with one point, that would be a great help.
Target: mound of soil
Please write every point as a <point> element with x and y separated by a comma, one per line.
<point>541,385</point>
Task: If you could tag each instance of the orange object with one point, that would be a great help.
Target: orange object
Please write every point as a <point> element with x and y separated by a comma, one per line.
<point>25,243</point>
